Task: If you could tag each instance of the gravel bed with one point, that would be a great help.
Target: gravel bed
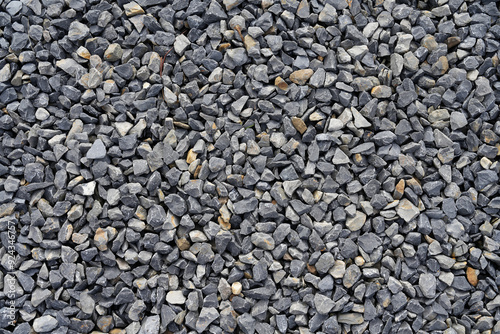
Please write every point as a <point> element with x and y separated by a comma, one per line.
<point>253,167</point>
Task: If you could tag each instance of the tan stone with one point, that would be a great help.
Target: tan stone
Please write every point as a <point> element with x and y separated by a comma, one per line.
<point>299,124</point>
<point>281,84</point>
<point>79,238</point>
<point>453,41</point>
<point>429,42</point>
<point>132,9</point>
<point>381,92</point>
<point>191,156</point>
<point>7,209</point>
<point>249,42</point>
<point>300,77</point>
<point>101,239</point>
<point>472,276</point>
<point>183,244</point>
<point>399,190</point>
<point>83,52</point>
<point>441,66</point>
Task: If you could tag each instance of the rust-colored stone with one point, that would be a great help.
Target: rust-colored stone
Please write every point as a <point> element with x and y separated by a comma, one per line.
<point>472,276</point>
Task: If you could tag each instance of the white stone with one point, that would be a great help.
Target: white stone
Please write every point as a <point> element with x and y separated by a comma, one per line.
<point>175,297</point>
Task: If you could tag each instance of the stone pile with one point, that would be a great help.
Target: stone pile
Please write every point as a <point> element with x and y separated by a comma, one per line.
<point>262,166</point>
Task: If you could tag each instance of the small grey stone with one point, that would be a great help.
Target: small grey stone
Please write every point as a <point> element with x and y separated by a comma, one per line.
<point>323,304</point>
<point>485,178</point>
<point>156,216</point>
<point>206,317</point>
<point>14,7</point>
<point>5,73</point>
<point>340,158</point>
<point>150,325</point>
<point>216,164</point>
<point>113,53</point>
<point>181,44</point>
<point>407,210</point>
<point>384,138</point>
<point>324,263</point>
<point>368,242</point>
<point>356,223</point>
<point>263,240</point>
<point>214,13</point>
<point>125,296</point>
<point>78,31</point>
<point>176,204</point>
<point>427,284</point>
<point>45,324</point>
<point>71,67</point>
<point>351,276</point>
<point>457,120</point>
<point>126,71</point>
<point>235,57</point>
<point>465,206</point>
<point>247,323</point>
<point>97,150</point>
<point>245,206</point>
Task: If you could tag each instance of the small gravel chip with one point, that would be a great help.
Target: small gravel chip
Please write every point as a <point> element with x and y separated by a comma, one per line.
<point>78,31</point>
<point>132,9</point>
<point>176,204</point>
<point>427,284</point>
<point>324,263</point>
<point>175,297</point>
<point>97,150</point>
<point>206,317</point>
<point>351,276</point>
<point>263,240</point>
<point>245,206</point>
<point>150,325</point>
<point>323,304</point>
<point>45,324</point>
<point>216,164</point>
<point>350,318</point>
<point>407,210</point>
<point>368,242</point>
<point>113,53</point>
<point>356,223</point>
<point>300,77</point>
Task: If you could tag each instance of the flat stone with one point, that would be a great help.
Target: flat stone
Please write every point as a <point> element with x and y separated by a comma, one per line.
<point>407,210</point>
<point>78,31</point>
<point>323,304</point>
<point>350,318</point>
<point>45,324</point>
<point>206,317</point>
<point>132,9</point>
<point>176,297</point>
<point>300,77</point>
<point>356,223</point>
<point>97,150</point>
<point>176,204</point>
<point>427,284</point>
<point>113,53</point>
<point>263,240</point>
<point>351,276</point>
<point>150,325</point>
